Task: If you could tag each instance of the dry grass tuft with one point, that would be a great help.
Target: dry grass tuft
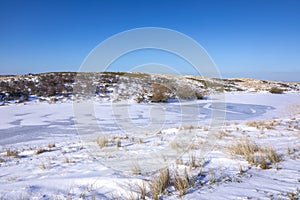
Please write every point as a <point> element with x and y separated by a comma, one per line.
<point>272,155</point>
<point>140,141</point>
<point>164,177</point>
<point>174,144</point>
<point>294,195</point>
<point>241,171</point>
<point>40,151</point>
<point>68,160</point>
<point>195,145</point>
<point>289,151</point>
<point>44,165</point>
<point>12,153</point>
<point>224,133</point>
<point>102,141</point>
<point>193,162</point>
<point>245,147</point>
<point>142,190</point>
<point>212,177</point>
<point>160,183</point>
<point>179,161</point>
<point>254,154</point>
<point>205,128</point>
<point>262,162</point>
<point>181,183</point>
<point>132,139</point>
<point>261,124</point>
<point>136,169</point>
<point>118,143</point>
<point>50,146</point>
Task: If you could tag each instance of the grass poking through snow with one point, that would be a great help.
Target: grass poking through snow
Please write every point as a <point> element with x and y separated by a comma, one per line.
<point>12,153</point>
<point>255,154</point>
<point>181,183</point>
<point>102,141</point>
<point>160,183</point>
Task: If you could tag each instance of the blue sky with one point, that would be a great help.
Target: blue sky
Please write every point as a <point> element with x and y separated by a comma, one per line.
<point>258,39</point>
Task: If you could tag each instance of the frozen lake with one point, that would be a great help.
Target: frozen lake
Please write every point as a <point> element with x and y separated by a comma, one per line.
<point>43,121</point>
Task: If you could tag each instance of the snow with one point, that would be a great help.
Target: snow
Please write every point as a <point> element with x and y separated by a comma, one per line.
<point>77,168</point>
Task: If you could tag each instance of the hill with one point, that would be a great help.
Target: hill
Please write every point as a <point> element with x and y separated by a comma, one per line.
<point>118,86</point>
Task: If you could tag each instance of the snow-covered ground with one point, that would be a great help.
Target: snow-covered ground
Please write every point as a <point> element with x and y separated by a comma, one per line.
<point>63,150</point>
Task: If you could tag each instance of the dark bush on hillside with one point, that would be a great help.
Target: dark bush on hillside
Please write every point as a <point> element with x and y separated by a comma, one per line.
<point>183,92</point>
<point>161,93</point>
<point>199,95</point>
<point>188,93</point>
<point>276,90</point>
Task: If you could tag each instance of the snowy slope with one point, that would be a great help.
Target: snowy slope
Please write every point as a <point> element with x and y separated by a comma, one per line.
<point>56,160</point>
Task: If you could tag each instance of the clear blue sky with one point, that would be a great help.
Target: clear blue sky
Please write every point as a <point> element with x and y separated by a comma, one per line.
<point>258,39</point>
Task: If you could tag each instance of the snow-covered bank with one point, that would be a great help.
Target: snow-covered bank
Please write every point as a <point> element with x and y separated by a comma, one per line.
<point>52,162</point>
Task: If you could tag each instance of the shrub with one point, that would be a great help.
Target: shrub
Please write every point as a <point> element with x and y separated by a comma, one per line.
<point>185,92</point>
<point>161,93</point>
<point>199,94</point>
<point>276,90</point>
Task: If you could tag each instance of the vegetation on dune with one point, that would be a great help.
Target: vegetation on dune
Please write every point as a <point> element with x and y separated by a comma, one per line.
<point>263,157</point>
<point>276,90</point>
<point>161,93</point>
<point>116,86</point>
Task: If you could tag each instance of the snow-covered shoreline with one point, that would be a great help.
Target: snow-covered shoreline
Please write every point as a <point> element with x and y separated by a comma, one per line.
<point>53,162</point>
